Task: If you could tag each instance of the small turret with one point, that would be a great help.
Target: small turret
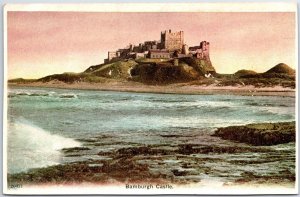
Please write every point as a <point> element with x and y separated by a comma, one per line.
<point>185,49</point>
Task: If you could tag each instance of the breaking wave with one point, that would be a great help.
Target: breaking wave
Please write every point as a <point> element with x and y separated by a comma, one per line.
<point>68,96</point>
<point>30,93</point>
<point>40,93</point>
<point>32,147</point>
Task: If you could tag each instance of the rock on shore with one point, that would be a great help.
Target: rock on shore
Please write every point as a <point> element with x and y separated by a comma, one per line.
<point>263,134</point>
<point>186,156</point>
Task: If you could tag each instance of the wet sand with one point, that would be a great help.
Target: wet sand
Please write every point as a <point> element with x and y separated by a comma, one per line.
<point>179,88</point>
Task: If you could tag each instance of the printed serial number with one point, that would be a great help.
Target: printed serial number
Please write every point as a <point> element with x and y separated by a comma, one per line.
<point>14,186</point>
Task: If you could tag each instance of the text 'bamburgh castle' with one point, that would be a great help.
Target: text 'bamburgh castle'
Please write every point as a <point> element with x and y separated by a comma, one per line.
<point>171,45</point>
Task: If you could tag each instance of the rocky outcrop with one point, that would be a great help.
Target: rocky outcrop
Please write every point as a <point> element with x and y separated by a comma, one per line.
<point>163,73</point>
<point>263,134</point>
<point>173,157</point>
<point>202,66</point>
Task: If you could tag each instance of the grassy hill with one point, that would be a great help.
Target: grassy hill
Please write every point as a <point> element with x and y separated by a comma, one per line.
<point>242,73</point>
<point>279,75</point>
<point>153,71</point>
<point>281,69</point>
<point>73,77</point>
<point>21,80</point>
<point>119,69</point>
<point>165,71</point>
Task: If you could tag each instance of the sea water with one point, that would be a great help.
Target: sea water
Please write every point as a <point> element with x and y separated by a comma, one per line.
<point>42,121</point>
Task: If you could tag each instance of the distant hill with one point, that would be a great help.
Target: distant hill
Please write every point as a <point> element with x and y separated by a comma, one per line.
<point>242,73</point>
<point>279,75</point>
<point>281,69</point>
<point>21,80</point>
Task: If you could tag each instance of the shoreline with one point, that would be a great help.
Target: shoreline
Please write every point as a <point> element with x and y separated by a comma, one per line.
<point>181,88</point>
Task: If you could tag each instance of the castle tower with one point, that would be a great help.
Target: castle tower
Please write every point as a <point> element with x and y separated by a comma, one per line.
<point>172,40</point>
<point>204,46</point>
<point>130,47</point>
<point>185,49</point>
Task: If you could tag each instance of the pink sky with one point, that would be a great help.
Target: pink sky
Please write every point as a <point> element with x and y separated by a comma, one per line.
<point>43,43</point>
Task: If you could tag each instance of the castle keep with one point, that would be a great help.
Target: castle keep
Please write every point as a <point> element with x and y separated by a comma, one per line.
<point>171,45</point>
<point>171,40</point>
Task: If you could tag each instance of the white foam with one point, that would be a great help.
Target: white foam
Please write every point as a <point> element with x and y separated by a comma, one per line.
<point>31,147</point>
<point>20,92</point>
<point>71,95</point>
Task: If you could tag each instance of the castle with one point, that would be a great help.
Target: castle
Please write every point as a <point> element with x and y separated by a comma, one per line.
<point>171,45</point>
<point>171,41</point>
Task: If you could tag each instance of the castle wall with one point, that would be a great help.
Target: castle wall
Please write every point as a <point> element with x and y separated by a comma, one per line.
<point>157,54</point>
<point>204,46</point>
<point>111,55</point>
<point>139,55</point>
<point>201,51</point>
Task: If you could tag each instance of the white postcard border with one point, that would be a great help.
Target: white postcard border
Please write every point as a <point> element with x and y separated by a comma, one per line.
<point>145,7</point>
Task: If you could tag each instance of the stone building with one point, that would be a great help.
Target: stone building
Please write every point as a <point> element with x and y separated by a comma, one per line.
<point>201,51</point>
<point>139,55</point>
<point>111,55</point>
<point>159,54</point>
<point>150,45</point>
<point>171,40</point>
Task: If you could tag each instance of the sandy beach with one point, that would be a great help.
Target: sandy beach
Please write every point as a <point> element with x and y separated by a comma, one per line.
<point>178,88</point>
